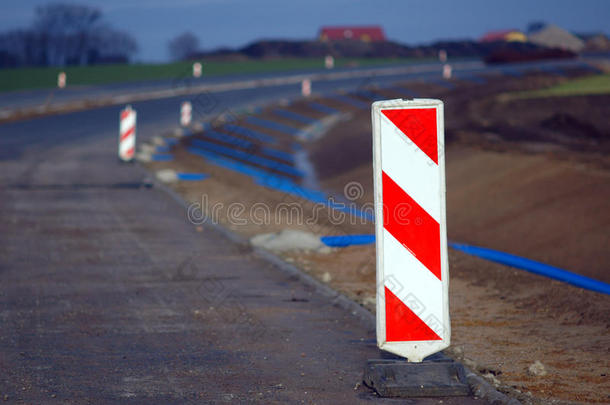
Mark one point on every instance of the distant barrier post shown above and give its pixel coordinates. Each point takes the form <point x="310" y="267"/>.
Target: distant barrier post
<point x="447" y="71"/>
<point x="127" y="134"/>
<point x="306" y="88"/>
<point x="197" y="68"/>
<point x="61" y="80"/>
<point x="186" y="113"/>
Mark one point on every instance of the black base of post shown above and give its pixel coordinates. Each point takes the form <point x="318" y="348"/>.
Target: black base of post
<point x="430" y="378"/>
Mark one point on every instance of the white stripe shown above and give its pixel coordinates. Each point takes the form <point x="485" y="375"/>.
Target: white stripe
<point x="413" y="283"/>
<point x="410" y="168"/>
<point x="128" y="122"/>
<point x="127" y="144"/>
<point x="185" y="118"/>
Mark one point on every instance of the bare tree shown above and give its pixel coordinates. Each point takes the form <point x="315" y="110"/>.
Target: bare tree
<point x="65" y="34"/>
<point x="183" y="46"/>
<point x="110" y="45"/>
<point x="67" y="31"/>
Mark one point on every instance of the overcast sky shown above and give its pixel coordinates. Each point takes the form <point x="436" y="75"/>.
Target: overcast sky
<point x="237" y="22"/>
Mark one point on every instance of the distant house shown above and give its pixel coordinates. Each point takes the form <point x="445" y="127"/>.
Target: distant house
<point x="504" y="36"/>
<point x="357" y="33"/>
<point x="594" y="42"/>
<point x="552" y="36"/>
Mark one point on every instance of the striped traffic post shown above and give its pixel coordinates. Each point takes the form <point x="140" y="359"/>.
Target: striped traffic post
<point x="61" y="80"/>
<point x="197" y="68"/>
<point x="127" y="134"/>
<point x="306" y="88"/>
<point x="447" y="71"/>
<point x="411" y="241"/>
<point x="186" y="113"/>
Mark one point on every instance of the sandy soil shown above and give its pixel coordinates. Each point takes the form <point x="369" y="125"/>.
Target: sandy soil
<point x="521" y="178"/>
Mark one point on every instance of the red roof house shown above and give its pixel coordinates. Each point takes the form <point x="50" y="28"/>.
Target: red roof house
<point x="359" y="33"/>
<point x="505" y="36"/>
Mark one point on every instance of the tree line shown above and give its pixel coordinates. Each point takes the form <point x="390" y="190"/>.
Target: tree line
<point x="65" y="34"/>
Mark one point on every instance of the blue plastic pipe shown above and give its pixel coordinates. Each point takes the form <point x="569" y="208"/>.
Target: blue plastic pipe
<point x="494" y="256"/>
<point x="162" y="157"/>
<point x="347" y="240"/>
<point x="534" y="267"/>
<point x="192" y="176"/>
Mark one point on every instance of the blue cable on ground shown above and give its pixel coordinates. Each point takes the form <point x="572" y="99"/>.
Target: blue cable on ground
<point x="347" y="240"/>
<point x="192" y="176"/>
<point x="534" y="267"/>
<point x="494" y="256"/>
<point x="160" y="157"/>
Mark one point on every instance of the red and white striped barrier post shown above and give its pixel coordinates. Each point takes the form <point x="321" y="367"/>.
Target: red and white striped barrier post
<point x="412" y="265"/>
<point x="306" y="88"/>
<point x="127" y="134"/>
<point x="197" y="69"/>
<point x="329" y="62"/>
<point x="186" y="113"/>
<point x="447" y="72"/>
<point x="61" y="80"/>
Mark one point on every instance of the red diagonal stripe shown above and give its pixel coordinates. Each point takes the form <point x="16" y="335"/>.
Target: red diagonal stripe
<point x="127" y="133"/>
<point x="125" y="113"/>
<point x="419" y="125"/>
<point x="129" y="152"/>
<point x="411" y="225"/>
<point x="402" y="324"/>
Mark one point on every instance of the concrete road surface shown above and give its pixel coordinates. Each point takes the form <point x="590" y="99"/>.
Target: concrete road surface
<point x="109" y="295"/>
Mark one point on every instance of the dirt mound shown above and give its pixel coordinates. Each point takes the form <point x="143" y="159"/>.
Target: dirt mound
<point x="335" y="155"/>
<point x="572" y="126"/>
<point x="576" y="123"/>
<point x="276" y="48"/>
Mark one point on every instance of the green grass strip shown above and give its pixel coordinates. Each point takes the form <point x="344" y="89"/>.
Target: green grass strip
<point x="36" y="78"/>
<point x="598" y="84"/>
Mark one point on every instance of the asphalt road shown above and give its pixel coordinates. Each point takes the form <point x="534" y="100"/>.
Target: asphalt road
<point x="109" y="295"/>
